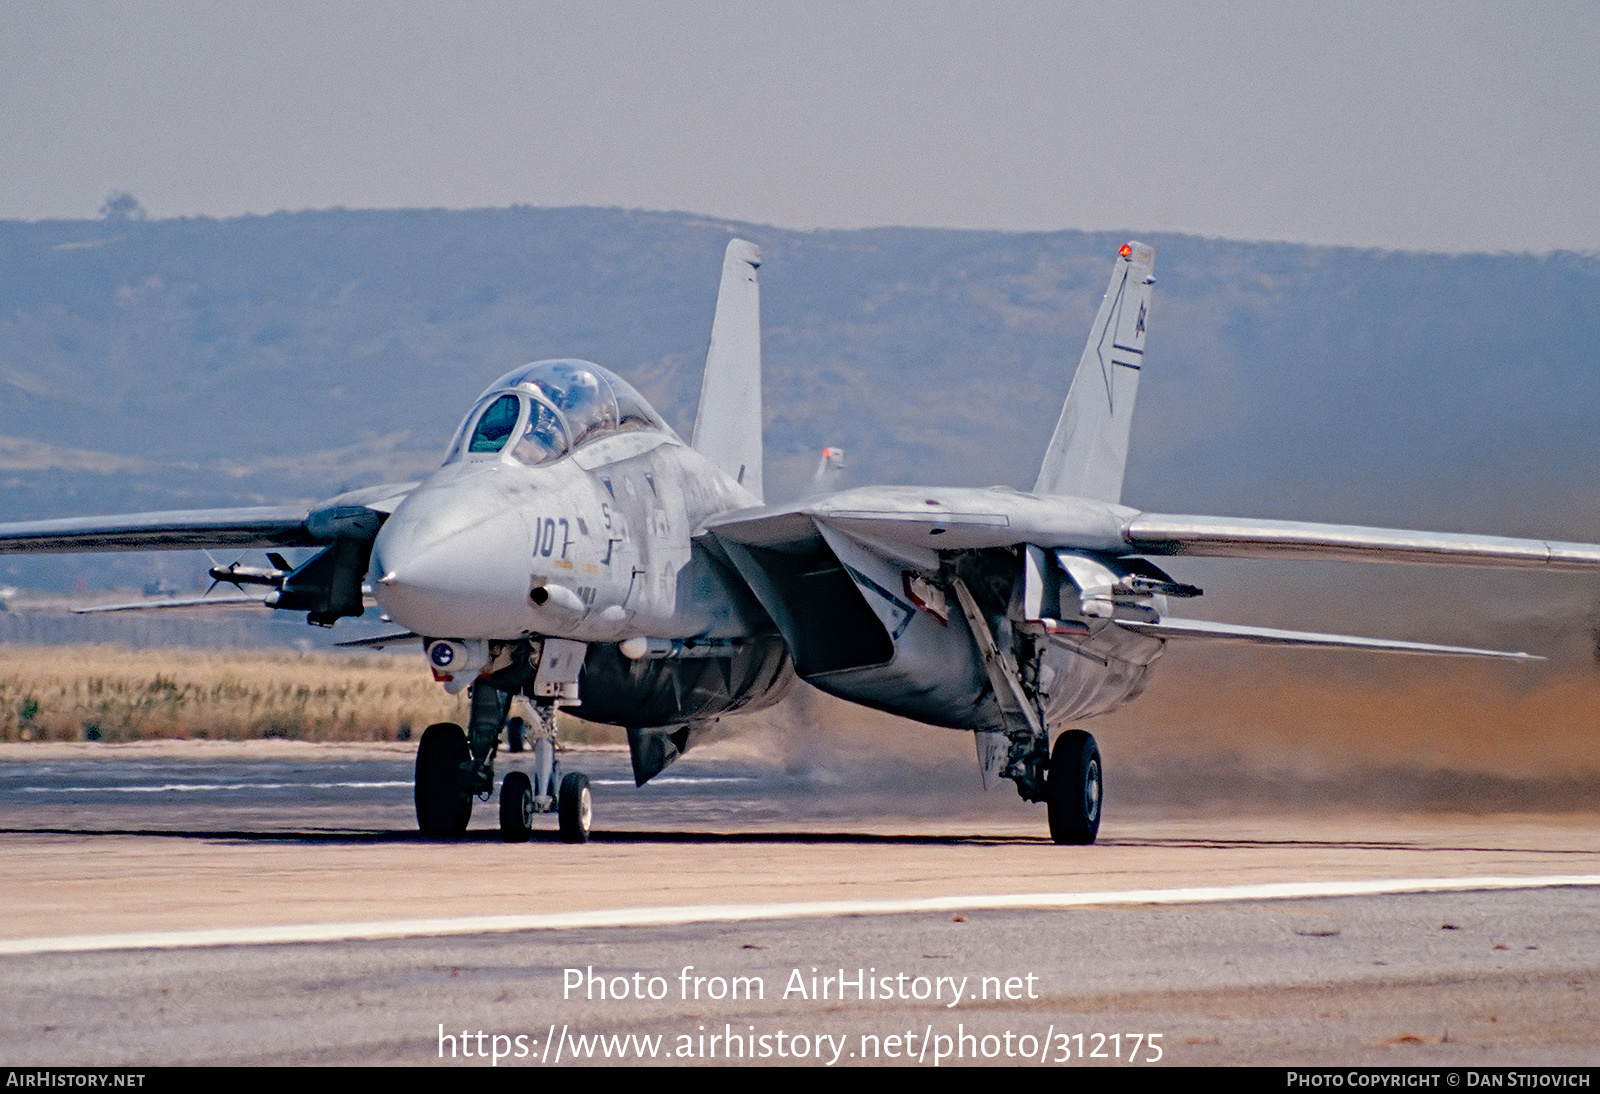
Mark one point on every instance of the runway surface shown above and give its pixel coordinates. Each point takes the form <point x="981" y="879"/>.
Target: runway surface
<point x="196" y="838"/>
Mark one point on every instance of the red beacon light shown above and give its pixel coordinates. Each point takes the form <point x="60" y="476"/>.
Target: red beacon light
<point x="1125" y="250"/>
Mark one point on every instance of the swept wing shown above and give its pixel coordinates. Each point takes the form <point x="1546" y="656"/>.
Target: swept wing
<point x="352" y="515"/>
<point x="916" y="528"/>
<point x="914" y="521"/>
<point x="328" y="586"/>
<point x="264" y="526"/>
<point x="1234" y="537"/>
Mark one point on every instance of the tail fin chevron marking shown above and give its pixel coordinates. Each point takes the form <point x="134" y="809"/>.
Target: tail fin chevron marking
<point x="727" y="426"/>
<point x="1089" y="451"/>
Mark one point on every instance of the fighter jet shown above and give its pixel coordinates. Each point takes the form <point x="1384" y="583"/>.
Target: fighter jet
<point x="574" y="552"/>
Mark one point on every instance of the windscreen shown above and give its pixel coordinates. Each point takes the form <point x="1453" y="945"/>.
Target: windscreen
<point x="496" y="425"/>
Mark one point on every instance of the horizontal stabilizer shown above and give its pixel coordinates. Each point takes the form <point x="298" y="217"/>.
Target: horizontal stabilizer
<point x="379" y="641"/>
<point x="1234" y="537"/>
<point x="1268" y="636"/>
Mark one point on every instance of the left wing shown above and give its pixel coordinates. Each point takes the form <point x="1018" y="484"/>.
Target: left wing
<point x="915" y="529"/>
<point x="916" y="521"/>
<point x="1236" y="537"/>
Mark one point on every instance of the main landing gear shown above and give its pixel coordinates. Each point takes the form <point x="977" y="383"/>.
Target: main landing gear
<point x="451" y="772"/>
<point x="1073" y="788"/>
<point x="443" y="809"/>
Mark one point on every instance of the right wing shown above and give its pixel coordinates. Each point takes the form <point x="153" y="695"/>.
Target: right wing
<point x="328" y="585"/>
<point x="356" y="514"/>
<point x="265" y="526"/>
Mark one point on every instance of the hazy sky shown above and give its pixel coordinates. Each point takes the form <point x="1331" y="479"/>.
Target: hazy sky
<point x="1450" y="126"/>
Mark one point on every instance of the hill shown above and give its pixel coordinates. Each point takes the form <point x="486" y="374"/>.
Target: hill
<point x="163" y="364"/>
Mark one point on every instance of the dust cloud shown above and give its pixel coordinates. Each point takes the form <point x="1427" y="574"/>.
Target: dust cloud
<point x="1227" y="727"/>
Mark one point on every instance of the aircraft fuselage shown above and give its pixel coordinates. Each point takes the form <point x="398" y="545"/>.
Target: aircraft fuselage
<point x="596" y="548"/>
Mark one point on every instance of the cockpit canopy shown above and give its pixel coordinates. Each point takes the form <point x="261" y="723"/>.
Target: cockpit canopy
<point x="542" y="411"/>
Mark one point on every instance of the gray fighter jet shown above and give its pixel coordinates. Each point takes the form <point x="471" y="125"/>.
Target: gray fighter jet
<point x="573" y="551"/>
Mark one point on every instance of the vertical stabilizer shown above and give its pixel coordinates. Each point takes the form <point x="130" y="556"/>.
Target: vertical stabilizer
<point x="1089" y="451"/>
<point x="727" y="427"/>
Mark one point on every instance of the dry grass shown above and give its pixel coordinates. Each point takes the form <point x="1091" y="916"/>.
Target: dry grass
<point x="69" y="693"/>
<point x="1309" y="713"/>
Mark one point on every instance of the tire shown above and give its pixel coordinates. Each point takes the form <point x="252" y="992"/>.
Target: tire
<point x="442" y="809"/>
<point x="516" y="808"/>
<point x="1074" y="789"/>
<point x="576" y="806"/>
<point x="515" y="732"/>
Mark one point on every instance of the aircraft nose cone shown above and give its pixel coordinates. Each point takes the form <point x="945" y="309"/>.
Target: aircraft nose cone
<point x="446" y="563"/>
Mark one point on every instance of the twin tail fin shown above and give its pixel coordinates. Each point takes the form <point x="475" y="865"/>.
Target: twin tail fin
<point x="1089" y="450"/>
<point x="727" y="427"/>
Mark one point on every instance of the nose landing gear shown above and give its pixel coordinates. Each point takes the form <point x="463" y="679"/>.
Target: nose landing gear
<point x="455" y="765"/>
<point x="577" y="808"/>
<point x="516" y="808"/>
<point x="448" y="778"/>
<point x="544" y="789"/>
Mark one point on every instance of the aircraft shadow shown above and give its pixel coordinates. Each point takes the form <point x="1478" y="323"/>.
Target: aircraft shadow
<point x="350" y="837"/>
<point x="489" y="835"/>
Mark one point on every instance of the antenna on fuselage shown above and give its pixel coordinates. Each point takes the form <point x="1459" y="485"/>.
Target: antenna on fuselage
<point x="727" y="426"/>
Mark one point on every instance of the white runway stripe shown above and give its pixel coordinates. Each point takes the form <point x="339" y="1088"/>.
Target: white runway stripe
<point x="681" y="780"/>
<point x="194" y="788"/>
<point x="726" y="913"/>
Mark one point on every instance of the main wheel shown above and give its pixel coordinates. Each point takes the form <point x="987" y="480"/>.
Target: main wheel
<point x="516" y="808"/>
<point x="1074" y="789"/>
<point x="442" y="809"/>
<point x="576" y="806"/>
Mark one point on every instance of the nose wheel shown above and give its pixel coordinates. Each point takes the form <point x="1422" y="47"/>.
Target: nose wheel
<point x="544" y="789"/>
<point x="516" y="808"/>
<point x="576" y="806"/>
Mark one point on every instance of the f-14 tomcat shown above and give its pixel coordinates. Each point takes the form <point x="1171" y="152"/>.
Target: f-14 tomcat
<point x="575" y="552"/>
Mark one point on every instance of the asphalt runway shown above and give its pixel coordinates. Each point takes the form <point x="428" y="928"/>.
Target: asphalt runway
<point x="1239" y="965"/>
